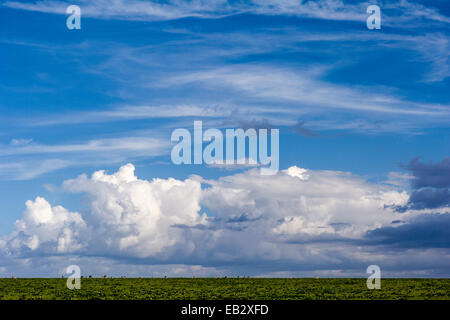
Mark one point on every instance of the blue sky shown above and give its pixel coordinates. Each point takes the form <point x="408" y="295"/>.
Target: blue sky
<point x="345" y="98"/>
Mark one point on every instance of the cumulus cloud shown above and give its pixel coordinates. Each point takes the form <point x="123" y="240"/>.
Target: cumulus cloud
<point x="302" y="205"/>
<point x="133" y="217"/>
<point x="298" y="219"/>
<point x="51" y="230"/>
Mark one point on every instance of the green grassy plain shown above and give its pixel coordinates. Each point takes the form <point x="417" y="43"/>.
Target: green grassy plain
<point x="224" y="288"/>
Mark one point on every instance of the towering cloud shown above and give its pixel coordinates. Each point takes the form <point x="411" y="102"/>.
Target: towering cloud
<point x="272" y="223"/>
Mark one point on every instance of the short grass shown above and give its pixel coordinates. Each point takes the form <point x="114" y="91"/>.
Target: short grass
<point x="224" y="288"/>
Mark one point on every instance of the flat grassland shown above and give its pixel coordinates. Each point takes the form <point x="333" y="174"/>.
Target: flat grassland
<point x="223" y="288"/>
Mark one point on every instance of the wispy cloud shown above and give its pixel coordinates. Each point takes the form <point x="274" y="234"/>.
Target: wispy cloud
<point x="132" y="113"/>
<point x="26" y="170"/>
<point x="304" y="87"/>
<point x="24" y="159"/>
<point x="244" y="95"/>
<point x="137" y="145"/>
<point x="400" y="11"/>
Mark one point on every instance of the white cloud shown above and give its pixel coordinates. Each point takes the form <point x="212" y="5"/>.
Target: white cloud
<point x="135" y="217"/>
<point x="295" y="171"/>
<point x="297" y="217"/>
<point x="53" y="230"/>
<point x="311" y="202"/>
<point x="399" y="179"/>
